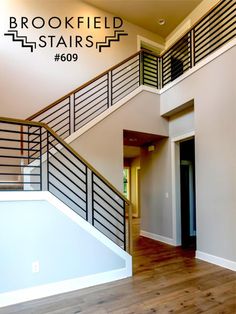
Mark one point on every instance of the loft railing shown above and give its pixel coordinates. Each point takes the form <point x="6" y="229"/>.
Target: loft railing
<point x="209" y="34"/>
<point x="57" y="168"/>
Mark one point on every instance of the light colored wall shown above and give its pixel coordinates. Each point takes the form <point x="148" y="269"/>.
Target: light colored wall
<point x="156" y="189"/>
<point x="156" y="210"/>
<point x="54" y="241"/>
<point x="102" y="146"/>
<point x="213" y="90"/>
<point x="181" y="123"/>
<point x="30" y="81"/>
<point x="134" y="166"/>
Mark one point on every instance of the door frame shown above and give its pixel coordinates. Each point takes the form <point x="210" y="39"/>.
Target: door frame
<point x="175" y="183"/>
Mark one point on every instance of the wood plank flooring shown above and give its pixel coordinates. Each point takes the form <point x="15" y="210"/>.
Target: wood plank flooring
<point x="166" y="280"/>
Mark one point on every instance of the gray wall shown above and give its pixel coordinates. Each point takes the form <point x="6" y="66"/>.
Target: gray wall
<point x="155" y="181"/>
<point x="156" y="189"/>
<point x="181" y="123"/>
<point x="102" y="145"/>
<point x="36" y="231"/>
<point x="213" y="90"/>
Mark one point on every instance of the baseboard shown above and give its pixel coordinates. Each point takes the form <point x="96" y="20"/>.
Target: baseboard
<point x="219" y="261"/>
<point x="157" y="237"/>
<point x="29" y="294"/>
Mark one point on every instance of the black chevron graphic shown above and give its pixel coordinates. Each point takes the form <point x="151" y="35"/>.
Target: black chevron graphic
<point x="109" y="39"/>
<point x="22" y="39"/>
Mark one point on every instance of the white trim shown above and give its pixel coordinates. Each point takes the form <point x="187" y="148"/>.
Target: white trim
<point x="182" y="137"/>
<point x="68" y="285"/>
<point x="29" y="294"/>
<point x="149" y="42"/>
<point x="175" y="173"/>
<point x="216" y="260"/>
<point x="150" y="89"/>
<point x="157" y="237"/>
<point x="201" y="64"/>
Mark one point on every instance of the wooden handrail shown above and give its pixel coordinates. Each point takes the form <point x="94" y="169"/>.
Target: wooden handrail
<point x="67" y="146"/>
<point x="81" y="87"/>
<point x="32" y="117"/>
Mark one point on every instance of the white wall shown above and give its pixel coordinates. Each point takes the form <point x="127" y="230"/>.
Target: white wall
<point x="30" y="81"/>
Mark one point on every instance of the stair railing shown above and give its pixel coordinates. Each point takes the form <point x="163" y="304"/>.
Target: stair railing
<point x="80" y="106"/>
<point x="50" y="164"/>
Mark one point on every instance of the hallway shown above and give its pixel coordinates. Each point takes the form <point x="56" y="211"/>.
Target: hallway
<point x="166" y="280"/>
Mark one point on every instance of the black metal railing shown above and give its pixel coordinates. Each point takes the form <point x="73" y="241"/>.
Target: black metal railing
<point x="150" y="69"/>
<point x="90" y="101"/>
<point x="67" y="176"/>
<point x="87" y="102"/>
<point x="108" y="211"/>
<point x="20" y="156"/>
<point x="125" y="78"/>
<point x="214" y="30"/>
<point x="26" y="164"/>
<point x="82" y="105"/>
<point x="57" y="116"/>
<point x="176" y="60"/>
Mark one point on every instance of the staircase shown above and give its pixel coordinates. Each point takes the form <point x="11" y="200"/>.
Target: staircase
<point x="39" y="142"/>
<point x="35" y="157"/>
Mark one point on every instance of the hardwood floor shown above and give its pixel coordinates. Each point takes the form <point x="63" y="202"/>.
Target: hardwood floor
<point x="166" y="280"/>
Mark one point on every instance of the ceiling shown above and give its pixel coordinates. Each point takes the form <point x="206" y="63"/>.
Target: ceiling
<point x="146" y="13"/>
<point x="134" y="140"/>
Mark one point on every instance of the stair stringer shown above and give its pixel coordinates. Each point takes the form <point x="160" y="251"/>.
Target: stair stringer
<point x="110" y="110"/>
<point x="53" y="288"/>
<point x="101" y="143"/>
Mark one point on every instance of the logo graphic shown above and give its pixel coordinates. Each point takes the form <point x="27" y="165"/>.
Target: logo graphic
<point x="85" y="31"/>
<point x="23" y="39"/>
<point x="109" y="39"/>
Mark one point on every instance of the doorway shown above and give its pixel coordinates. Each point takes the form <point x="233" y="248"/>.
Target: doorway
<point x="187" y="193"/>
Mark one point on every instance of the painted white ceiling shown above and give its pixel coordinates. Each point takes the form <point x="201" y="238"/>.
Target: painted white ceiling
<point x="146" y="13"/>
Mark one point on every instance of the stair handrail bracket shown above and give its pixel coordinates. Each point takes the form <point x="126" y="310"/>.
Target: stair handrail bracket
<point x="50" y="164"/>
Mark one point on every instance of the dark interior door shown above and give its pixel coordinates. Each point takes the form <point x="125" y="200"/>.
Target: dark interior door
<point x="185" y="208"/>
<point x="187" y="193"/>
